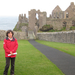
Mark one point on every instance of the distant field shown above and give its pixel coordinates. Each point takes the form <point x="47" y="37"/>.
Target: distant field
<point x="29" y="61"/>
<point x="67" y="48"/>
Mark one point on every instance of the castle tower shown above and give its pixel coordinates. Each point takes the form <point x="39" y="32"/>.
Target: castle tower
<point x="19" y="17"/>
<point x="24" y="16"/>
<point x="32" y="19"/>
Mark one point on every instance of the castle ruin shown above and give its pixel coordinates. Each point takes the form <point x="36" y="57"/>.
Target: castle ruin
<point x="58" y="19"/>
<point x="33" y="21"/>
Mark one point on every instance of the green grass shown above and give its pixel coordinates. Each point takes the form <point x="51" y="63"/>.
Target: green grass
<point x="64" y="47"/>
<point x="29" y="61"/>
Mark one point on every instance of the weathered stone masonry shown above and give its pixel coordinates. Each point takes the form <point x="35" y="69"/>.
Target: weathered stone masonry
<point x="17" y="35"/>
<point x="63" y="37"/>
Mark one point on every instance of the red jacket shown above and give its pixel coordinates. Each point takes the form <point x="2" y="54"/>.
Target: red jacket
<point x="10" y="46"/>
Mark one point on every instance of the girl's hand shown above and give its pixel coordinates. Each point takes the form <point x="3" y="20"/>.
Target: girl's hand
<point x="11" y="53"/>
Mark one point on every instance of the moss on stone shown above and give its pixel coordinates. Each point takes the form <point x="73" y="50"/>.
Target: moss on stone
<point x="46" y="28"/>
<point x="20" y="26"/>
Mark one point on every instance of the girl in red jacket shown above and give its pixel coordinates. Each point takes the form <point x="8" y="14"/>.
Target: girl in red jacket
<point x="10" y="46"/>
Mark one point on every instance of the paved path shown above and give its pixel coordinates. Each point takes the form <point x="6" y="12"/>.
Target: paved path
<point x="65" y="62"/>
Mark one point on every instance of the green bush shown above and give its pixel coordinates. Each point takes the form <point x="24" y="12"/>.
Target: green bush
<point x="63" y="29"/>
<point x="46" y="28"/>
<point x="72" y="28"/>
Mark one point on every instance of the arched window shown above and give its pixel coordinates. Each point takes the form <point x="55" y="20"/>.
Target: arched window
<point x="37" y="16"/>
<point x="67" y="15"/>
<point x="57" y="17"/>
<point x="37" y="20"/>
<point x="64" y="24"/>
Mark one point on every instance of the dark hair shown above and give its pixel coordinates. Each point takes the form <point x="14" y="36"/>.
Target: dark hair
<point x="9" y="32"/>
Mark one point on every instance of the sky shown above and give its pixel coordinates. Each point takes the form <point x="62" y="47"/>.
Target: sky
<point x="16" y="7"/>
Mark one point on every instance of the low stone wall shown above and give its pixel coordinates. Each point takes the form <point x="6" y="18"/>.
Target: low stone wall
<point x="17" y="35"/>
<point x="64" y="37"/>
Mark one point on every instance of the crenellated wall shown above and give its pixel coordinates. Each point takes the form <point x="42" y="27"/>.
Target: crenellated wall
<point x="63" y="37"/>
<point x="17" y="35"/>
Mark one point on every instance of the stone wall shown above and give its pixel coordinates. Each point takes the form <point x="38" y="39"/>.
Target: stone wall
<point x="63" y="37"/>
<point x="58" y="24"/>
<point x="33" y="21"/>
<point x="17" y="35"/>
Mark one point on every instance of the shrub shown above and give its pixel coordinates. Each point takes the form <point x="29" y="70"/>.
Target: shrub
<point x="63" y="29"/>
<point x="46" y="28"/>
<point x="72" y="28"/>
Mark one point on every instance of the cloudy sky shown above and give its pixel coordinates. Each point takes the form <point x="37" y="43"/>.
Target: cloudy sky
<point x="16" y="7"/>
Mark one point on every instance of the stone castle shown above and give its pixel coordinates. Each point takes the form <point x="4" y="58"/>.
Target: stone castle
<point x="58" y="19"/>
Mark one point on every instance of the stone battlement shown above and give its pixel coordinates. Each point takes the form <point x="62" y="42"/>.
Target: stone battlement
<point x="22" y="18"/>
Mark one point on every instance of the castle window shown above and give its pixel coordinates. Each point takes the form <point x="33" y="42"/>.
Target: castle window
<point x="66" y="12"/>
<point x="57" y="17"/>
<point x="64" y="24"/>
<point x="67" y="15"/>
<point x="73" y="23"/>
<point x="37" y="16"/>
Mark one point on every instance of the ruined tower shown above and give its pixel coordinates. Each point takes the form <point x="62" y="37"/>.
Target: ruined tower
<point x="33" y="21"/>
<point x="23" y="19"/>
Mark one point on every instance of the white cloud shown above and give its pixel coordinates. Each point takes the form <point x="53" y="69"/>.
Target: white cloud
<point x="16" y="7"/>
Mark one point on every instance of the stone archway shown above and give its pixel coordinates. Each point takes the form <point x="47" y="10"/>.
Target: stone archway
<point x="33" y="22"/>
<point x="31" y="34"/>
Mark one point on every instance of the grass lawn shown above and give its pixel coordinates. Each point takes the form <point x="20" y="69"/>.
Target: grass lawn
<point x="67" y="48"/>
<point x="29" y="61"/>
